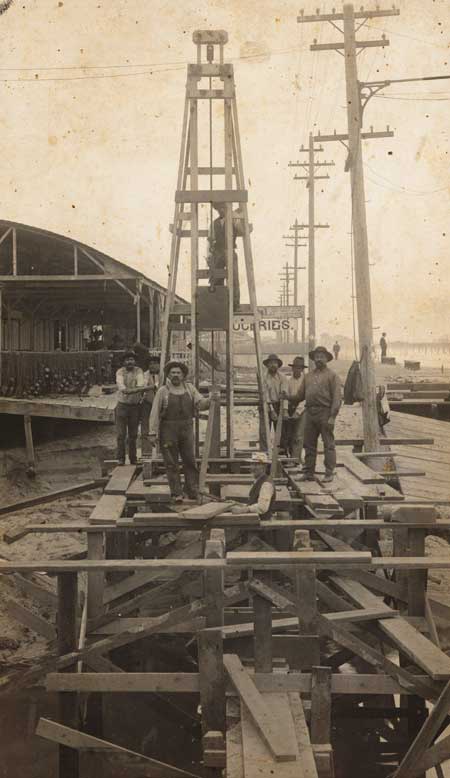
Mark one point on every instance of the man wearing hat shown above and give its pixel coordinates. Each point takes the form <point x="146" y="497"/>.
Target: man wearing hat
<point x="171" y="417"/>
<point x="261" y="498"/>
<point x="295" y="423"/>
<point x="275" y="388"/>
<point x="130" y="385"/>
<point x="321" y="391"/>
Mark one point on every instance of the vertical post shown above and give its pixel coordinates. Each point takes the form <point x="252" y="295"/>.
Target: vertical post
<point x="311" y="248"/>
<point x="249" y="267"/>
<point x="214" y="579"/>
<point x="1" y="336"/>
<point x="150" y="317"/>
<point x="96" y="550"/>
<point x="262" y="641"/>
<point x="138" y="312"/>
<point x="296" y="227"/>
<point x="193" y="153"/>
<point x="212" y="679"/>
<point x="231" y="281"/>
<point x="303" y="336"/>
<point x="31" y="460"/>
<point x="320" y="705"/>
<point x="14" y="251"/>
<point x="67" y="642"/>
<point x="362" y="273"/>
<point x="75" y="260"/>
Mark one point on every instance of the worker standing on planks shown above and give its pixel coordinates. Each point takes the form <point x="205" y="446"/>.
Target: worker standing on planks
<point x="295" y="423"/>
<point x="322" y="392"/>
<point x="275" y="390"/>
<point x="147" y="366"/>
<point x="217" y="259"/>
<point x="171" y="421"/>
<point x="130" y="384"/>
<point x="383" y="346"/>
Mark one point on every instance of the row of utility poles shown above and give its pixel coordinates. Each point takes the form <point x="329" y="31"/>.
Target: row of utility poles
<point x="358" y="93"/>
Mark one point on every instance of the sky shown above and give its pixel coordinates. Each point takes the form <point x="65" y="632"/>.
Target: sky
<point x="91" y="113"/>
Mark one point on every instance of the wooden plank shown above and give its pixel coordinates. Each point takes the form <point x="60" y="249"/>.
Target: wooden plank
<point x="116" y="626"/>
<point x="280" y="558"/>
<point x="206" y="511"/>
<point x="66" y="622"/>
<point x="51" y="496"/>
<point x="306" y="754"/>
<point x="436" y="755"/>
<point x="79" y="741"/>
<point x="33" y="589"/>
<point x="188" y="683"/>
<point x="418" y="648"/>
<point x="121" y="479"/>
<point x="30" y="620"/>
<point x="321" y="705"/>
<point x="418" y="747"/>
<point x="363" y="614"/>
<point x="208" y="437"/>
<point x="176" y="521"/>
<point x="271" y="730"/>
<point x="109" y="508"/>
<point x="262" y="641"/>
<point x="211" y="679"/>
<point x="259" y="761"/>
<point x="357" y="468"/>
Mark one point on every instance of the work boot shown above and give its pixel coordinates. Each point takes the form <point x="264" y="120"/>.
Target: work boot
<point x="328" y="477"/>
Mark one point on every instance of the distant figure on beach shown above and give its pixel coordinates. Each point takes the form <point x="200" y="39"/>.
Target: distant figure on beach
<point x="336" y="349"/>
<point x="383" y="346"/>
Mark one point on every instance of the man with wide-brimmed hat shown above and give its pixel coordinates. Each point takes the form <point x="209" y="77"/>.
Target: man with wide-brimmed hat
<point x="295" y="421"/>
<point x="261" y="497"/>
<point x="131" y="387"/>
<point x="171" y="421"/>
<point x="275" y="389"/>
<point x="322" y="392"/>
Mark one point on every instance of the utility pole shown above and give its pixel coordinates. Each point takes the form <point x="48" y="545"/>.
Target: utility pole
<point x="287" y="276"/>
<point x="310" y="178"/>
<point x="296" y="227"/>
<point x="350" y="48"/>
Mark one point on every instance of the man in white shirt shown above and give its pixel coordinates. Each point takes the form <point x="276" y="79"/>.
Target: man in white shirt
<point x="130" y="385"/>
<point x="295" y="423"/>
<point x="275" y="389"/>
<point x="261" y="498"/>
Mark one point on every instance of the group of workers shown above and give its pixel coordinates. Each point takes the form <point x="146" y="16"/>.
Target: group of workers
<point x="308" y="402"/>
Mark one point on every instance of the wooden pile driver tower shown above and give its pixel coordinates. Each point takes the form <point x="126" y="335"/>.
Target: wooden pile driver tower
<point x="213" y="304"/>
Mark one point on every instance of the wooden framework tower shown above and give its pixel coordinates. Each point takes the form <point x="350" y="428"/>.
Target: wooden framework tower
<point x="210" y="84"/>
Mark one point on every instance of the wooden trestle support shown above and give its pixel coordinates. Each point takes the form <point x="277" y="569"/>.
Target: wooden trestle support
<point x="271" y="625"/>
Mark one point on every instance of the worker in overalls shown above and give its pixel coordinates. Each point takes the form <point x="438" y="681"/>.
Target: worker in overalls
<point x="171" y="422"/>
<point x="261" y="497"/>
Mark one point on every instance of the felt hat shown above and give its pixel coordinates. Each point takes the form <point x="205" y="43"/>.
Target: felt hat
<point x="323" y="350"/>
<point x="273" y="358"/>
<point x="260" y="457"/>
<point x="297" y="362"/>
<point x="175" y="363"/>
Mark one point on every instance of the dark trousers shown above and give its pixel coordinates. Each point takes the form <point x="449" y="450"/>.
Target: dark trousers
<point x="295" y="427"/>
<point x="177" y="439"/>
<point x="127" y="421"/>
<point x="145" y="409"/>
<point x="316" y="424"/>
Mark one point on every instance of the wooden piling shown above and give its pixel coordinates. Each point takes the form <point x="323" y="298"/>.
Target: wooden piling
<point x="67" y="642"/>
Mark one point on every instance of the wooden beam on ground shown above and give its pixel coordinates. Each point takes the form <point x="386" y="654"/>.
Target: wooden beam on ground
<point x="271" y="730"/>
<point x="121" y="682"/>
<point x="30" y="620"/>
<point x="31" y="502"/>
<point x="75" y="741"/>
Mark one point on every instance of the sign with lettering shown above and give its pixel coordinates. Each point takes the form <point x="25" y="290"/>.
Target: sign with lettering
<point x="274" y="318"/>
